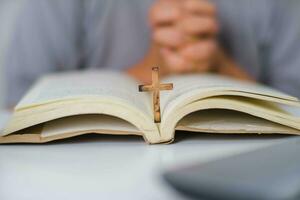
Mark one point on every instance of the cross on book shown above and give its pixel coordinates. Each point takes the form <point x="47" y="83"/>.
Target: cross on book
<point x="155" y="88"/>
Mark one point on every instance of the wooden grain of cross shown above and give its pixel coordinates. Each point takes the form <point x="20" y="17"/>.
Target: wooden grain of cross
<point x="155" y="88"/>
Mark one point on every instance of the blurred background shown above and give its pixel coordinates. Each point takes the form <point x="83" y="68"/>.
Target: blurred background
<point x="8" y="11"/>
<point x="249" y="39"/>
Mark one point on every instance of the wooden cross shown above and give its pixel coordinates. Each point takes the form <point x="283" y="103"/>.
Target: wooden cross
<point x="155" y="87"/>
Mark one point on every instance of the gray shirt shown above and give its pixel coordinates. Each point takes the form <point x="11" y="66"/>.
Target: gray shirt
<point x="263" y="36"/>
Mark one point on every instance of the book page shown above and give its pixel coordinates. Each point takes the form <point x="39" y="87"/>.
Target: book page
<point x="88" y="124"/>
<point x="291" y="110"/>
<point x="207" y="85"/>
<point x="86" y="84"/>
<point x="86" y="92"/>
<point x="186" y="83"/>
<point x="206" y="91"/>
<point x="4" y="118"/>
<point x="229" y="121"/>
<point x="251" y="106"/>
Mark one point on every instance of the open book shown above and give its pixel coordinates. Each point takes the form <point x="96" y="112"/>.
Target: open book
<point x="70" y="104"/>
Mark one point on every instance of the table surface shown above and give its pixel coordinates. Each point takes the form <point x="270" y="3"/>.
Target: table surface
<point x="109" y="167"/>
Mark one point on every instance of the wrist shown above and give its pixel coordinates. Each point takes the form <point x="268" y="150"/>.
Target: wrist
<point x="142" y="70"/>
<point x="225" y="65"/>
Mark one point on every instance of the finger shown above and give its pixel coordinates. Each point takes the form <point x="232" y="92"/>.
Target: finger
<point x="175" y="63"/>
<point x="164" y="12"/>
<point x="168" y="37"/>
<point x="199" y="25"/>
<point x="200" y="51"/>
<point x="178" y="65"/>
<point x="202" y="7"/>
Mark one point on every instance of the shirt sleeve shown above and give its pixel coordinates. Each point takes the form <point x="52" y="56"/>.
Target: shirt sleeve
<point x="283" y="52"/>
<point x="44" y="38"/>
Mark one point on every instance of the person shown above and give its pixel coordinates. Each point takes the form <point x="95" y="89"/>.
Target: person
<point x="256" y="40"/>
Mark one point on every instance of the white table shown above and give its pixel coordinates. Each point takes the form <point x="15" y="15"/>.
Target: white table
<point x="109" y="167"/>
